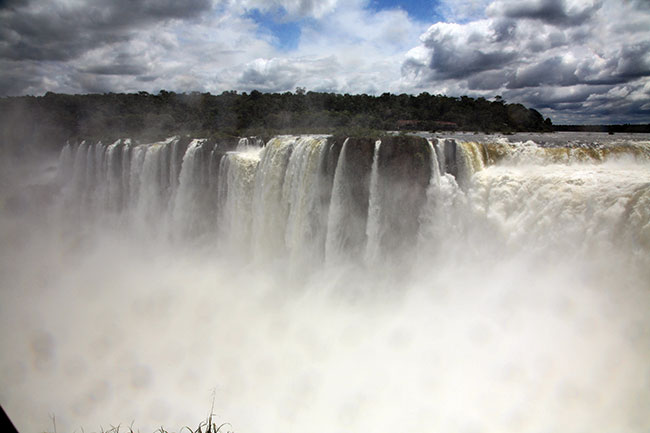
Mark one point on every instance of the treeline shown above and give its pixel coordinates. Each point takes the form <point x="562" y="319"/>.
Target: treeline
<point x="54" y="118"/>
<point x="625" y="128"/>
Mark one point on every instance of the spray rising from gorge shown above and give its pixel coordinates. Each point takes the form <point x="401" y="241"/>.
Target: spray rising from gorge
<point x="315" y="283"/>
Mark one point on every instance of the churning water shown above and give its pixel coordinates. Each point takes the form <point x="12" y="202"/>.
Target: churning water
<point x="419" y="284"/>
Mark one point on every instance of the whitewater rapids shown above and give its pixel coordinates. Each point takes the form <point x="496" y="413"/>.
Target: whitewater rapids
<point x="309" y="286"/>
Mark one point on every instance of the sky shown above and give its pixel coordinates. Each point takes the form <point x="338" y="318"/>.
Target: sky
<point x="576" y="61"/>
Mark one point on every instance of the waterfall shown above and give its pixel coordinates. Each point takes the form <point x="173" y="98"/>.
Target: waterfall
<point x="297" y="199"/>
<point x="90" y="177"/>
<point x="97" y="171"/>
<point x="150" y="189"/>
<point x="439" y="148"/>
<point x="427" y="216"/>
<point x="436" y="166"/>
<point x="66" y="165"/>
<point x="573" y="208"/>
<point x="249" y="144"/>
<point x="300" y="194"/>
<point x="114" y="176"/>
<point x="444" y="209"/>
<point x="125" y="172"/>
<point x="175" y="162"/>
<point x="189" y="199"/>
<point x="336" y="234"/>
<point x="76" y="194"/>
<point x="237" y="174"/>
<point x="269" y="209"/>
<point x="469" y="159"/>
<point x="325" y="282"/>
<point x="135" y="169"/>
<point x="373" y="228"/>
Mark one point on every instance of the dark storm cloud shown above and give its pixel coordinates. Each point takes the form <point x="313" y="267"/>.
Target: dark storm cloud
<point x="550" y="71"/>
<point x="455" y="55"/>
<point x="633" y="109"/>
<point x="16" y="77"/>
<point x="116" y="69"/>
<point x="554" y="12"/>
<point x="8" y="4"/>
<point x="552" y="96"/>
<point x="489" y="80"/>
<point x="28" y="37"/>
<point x="55" y="31"/>
<point x="146" y="78"/>
<point x="586" y="103"/>
<point x="60" y="36"/>
<point x="634" y="61"/>
<point x="504" y="29"/>
<point x="93" y="83"/>
<point x="122" y="64"/>
<point x="455" y="62"/>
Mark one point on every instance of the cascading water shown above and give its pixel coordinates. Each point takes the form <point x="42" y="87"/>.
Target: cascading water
<point x="373" y="228"/>
<point x="335" y="240"/>
<point x="304" y="235"/>
<point x="269" y="211"/>
<point x="236" y="188"/>
<point x="189" y="201"/>
<point x="315" y="283"/>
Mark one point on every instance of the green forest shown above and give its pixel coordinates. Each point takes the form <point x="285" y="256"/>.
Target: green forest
<point x="54" y="118"/>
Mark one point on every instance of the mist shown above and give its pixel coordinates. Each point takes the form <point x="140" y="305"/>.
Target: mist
<point x="315" y="284"/>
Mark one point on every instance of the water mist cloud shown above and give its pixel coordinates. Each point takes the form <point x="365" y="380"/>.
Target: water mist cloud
<point x="490" y="293"/>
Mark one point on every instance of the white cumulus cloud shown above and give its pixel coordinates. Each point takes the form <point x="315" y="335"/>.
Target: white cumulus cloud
<point x="557" y="55"/>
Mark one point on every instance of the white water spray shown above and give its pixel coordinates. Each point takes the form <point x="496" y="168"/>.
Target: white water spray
<point x="166" y="270"/>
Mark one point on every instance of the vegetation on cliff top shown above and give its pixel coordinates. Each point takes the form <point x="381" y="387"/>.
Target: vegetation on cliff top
<point x="54" y="118"/>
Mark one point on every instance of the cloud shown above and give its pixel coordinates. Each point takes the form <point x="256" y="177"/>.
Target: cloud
<point x="463" y="10"/>
<point x="293" y="8"/>
<point x="81" y="47"/>
<point x="353" y="50"/>
<point x="269" y="75"/>
<point x="121" y="64"/>
<point x="555" y="12"/>
<point x="549" y="54"/>
<point x="18" y="75"/>
<point x="458" y="51"/>
<point x="64" y="30"/>
<point x="555" y="70"/>
<point x="528" y="51"/>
